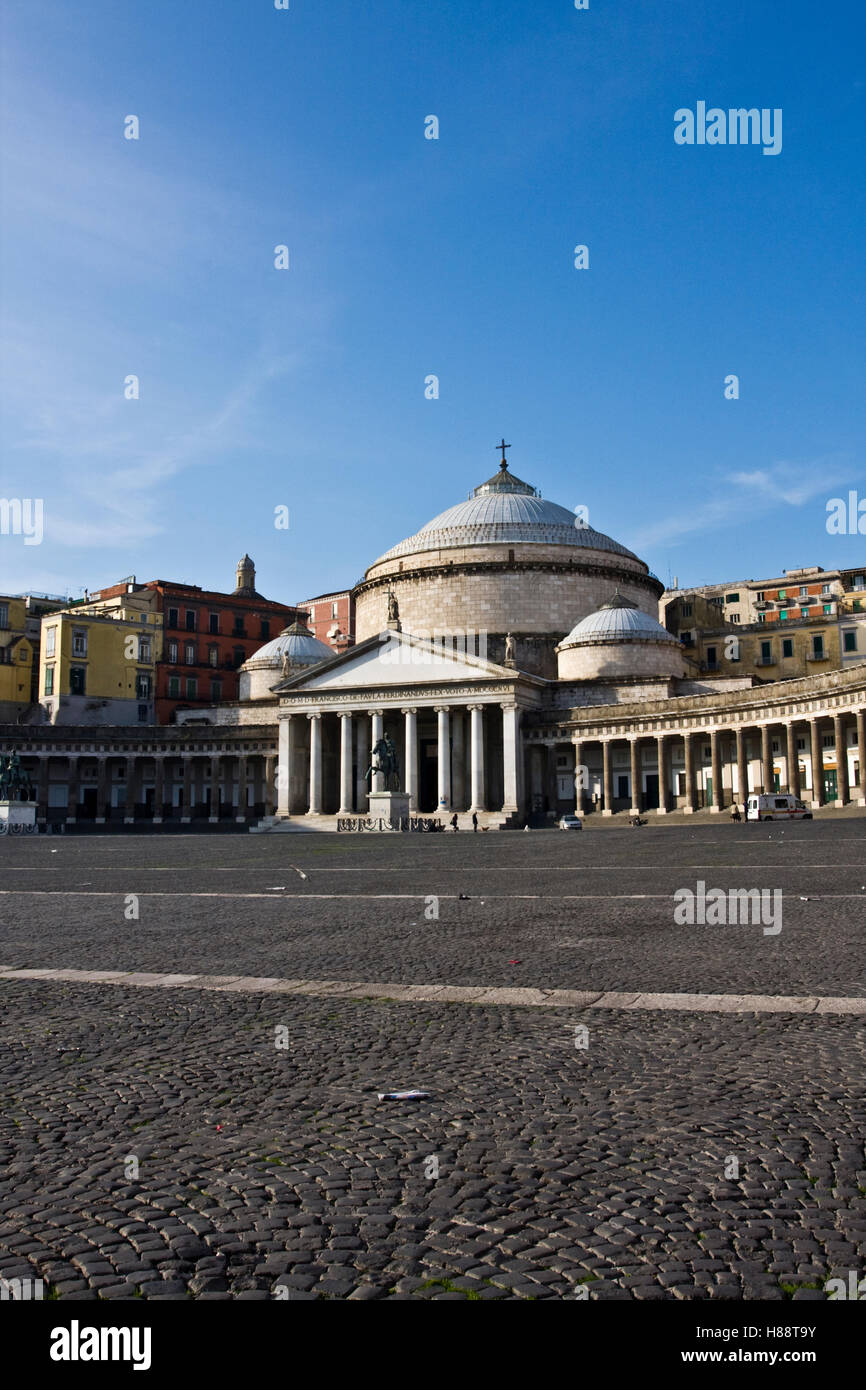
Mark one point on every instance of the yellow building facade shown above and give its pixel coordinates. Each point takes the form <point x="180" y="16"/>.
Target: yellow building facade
<point x="98" y="666"/>
<point x="17" y="654"/>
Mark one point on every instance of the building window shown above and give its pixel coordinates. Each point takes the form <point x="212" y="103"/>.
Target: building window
<point x="213" y="655"/>
<point x="850" y="640"/>
<point x="189" y="653"/>
<point x="818" y="647"/>
<point x="216" y="690"/>
<point x="828" y="608"/>
<point x="775" y="745"/>
<point x="239" y="657"/>
<point x="142" y="714"/>
<point x="77" y="680"/>
<point x="783" y="593"/>
<point x="144" y="649"/>
<point x="333" y="610"/>
<point x="142" y="685"/>
<point x="172" y="652"/>
<point x="733" y="617"/>
<point x="732" y="598"/>
<point x="79" y="643"/>
<point x="213" y="622"/>
<point x="172" y="617"/>
<point x="825" y="588"/>
<point x="762" y="617"/>
<point x="783" y="615"/>
<point x="266" y="627"/>
<point x="828" y="740"/>
<point x="173" y="687"/>
<point x="50" y="639"/>
<point x="4" y="615"/>
<point x="712" y="658"/>
<point x="803" y="591"/>
<point x="766" y="652"/>
<point x="687" y="610"/>
<point x="759" y="596"/>
<point x="787" y="646"/>
<point x="239" y="625"/>
<point x="49" y="680"/>
<point x="192" y="687"/>
<point x="801" y="745"/>
<point x="190" y="620"/>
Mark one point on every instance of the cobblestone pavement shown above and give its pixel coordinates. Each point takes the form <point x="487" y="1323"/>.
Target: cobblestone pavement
<point x="160" y="1143"/>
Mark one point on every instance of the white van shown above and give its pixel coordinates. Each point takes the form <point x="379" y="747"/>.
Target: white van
<point x="777" y="806"/>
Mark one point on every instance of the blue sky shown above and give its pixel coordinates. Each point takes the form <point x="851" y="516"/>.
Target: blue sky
<point x="410" y="257"/>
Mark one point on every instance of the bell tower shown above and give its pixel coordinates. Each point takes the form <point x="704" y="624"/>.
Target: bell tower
<point x="246" y="576"/>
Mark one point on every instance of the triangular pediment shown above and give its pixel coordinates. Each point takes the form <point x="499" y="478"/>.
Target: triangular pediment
<point x="394" y="658"/>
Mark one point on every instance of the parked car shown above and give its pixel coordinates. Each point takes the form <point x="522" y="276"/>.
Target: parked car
<point x="778" y="806"/>
<point x="570" y="823"/>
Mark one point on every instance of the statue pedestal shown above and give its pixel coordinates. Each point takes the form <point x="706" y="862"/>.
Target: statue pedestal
<point x="18" y="818"/>
<point x="390" y="807"/>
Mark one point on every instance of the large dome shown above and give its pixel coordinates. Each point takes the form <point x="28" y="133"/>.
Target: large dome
<point x="507" y="570"/>
<point x="503" y="510"/>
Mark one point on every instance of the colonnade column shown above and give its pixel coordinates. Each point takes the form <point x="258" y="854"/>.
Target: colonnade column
<point x="363" y="763"/>
<point x="129" y="803"/>
<point x="410" y="716"/>
<point x="214" y="788"/>
<point x="377" y="719"/>
<point x="841" y="760"/>
<point x="691" y="791"/>
<point x="766" y="760"/>
<point x="607" y="776"/>
<point x="42" y="789"/>
<point x="661" y="756"/>
<point x="793" y="765"/>
<point x="510" y="757"/>
<point x="634" y="768"/>
<point x="73" y="786"/>
<point x="186" y="800"/>
<point x="315" y="764"/>
<point x="241" y="812"/>
<point x="444" y="758"/>
<point x="861" y="754"/>
<point x="158" y="789"/>
<point x="285" y="752"/>
<point x="345" y="763"/>
<point x="578" y="778"/>
<point x="716" y="770"/>
<point x="103" y="789"/>
<point x="269" y="789"/>
<point x="476" y="713"/>
<point x="742" y="766"/>
<point x="817" y="764"/>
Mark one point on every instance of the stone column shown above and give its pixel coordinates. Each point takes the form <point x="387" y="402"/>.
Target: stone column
<point x="661" y="756"/>
<point x="861" y="754"/>
<point x="635" y="778"/>
<point x="766" y="760"/>
<point x="42" y="788"/>
<point x="215" y="765"/>
<point x="841" y="760"/>
<point x="607" y="776"/>
<point x="578" y="788"/>
<point x="345" y="763"/>
<point x="410" y="755"/>
<point x="186" y="800"/>
<point x="129" y="803"/>
<point x="510" y="757"/>
<point x="444" y="759"/>
<point x="72" y="787"/>
<point x="459" y="799"/>
<point x="158" y="788"/>
<point x="270" y="792"/>
<point x="285" y="754"/>
<point x="793" y="762"/>
<point x="103" y="790"/>
<point x="363" y="764"/>
<point x="315" y="764"/>
<point x="691" y="790"/>
<point x="377" y="719"/>
<point x="742" y="766"/>
<point x="241" y="813"/>
<point x="476" y="753"/>
<point x="716" y="765"/>
<point x="817" y="764"/>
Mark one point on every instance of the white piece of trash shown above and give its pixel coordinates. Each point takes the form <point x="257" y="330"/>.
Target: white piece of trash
<point x="403" y="1095"/>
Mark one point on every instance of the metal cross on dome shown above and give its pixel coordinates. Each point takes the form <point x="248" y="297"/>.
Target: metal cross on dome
<point x="503" y="446"/>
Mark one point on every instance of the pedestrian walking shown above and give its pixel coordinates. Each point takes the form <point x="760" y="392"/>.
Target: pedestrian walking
<point x="474" y="821"/>
<point x="454" y="822"/>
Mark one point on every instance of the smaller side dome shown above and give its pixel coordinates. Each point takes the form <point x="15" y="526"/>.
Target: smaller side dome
<point x="294" y="649"/>
<point x="619" y="640"/>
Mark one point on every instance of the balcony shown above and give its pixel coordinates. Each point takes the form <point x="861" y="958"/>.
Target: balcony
<point x="818" y="656"/>
<point x="766" y="661"/>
